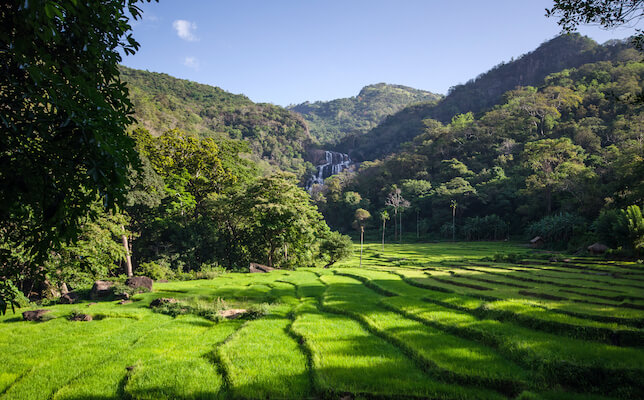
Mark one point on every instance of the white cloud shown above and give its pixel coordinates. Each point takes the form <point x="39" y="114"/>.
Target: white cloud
<point x="185" y="29"/>
<point x="191" y="62"/>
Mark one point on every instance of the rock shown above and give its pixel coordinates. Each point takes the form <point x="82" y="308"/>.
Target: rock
<point x="233" y="313"/>
<point x="259" y="268"/>
<point x="69" y="298"/>
<point x="597" y="248"/>
<point x="536" y="242"/>
<point x="124" y="302"/>
<point x="81" y="317"/>
<point x="162" y="300"/>
<point x="101" y="289"/>
<point x="122" y="296"/>
<point x="91" y="304"/>
<point x="139" y="281"/>
<point x="34" y="315"/>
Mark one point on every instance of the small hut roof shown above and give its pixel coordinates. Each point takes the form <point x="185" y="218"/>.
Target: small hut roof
<point x="536" y="239"/>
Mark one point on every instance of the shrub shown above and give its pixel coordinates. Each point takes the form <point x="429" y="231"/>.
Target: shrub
<point x="490" y="227"/>
<point x="11" y="296"/>
<point x="559" y="228"/>
<point x="156" y="270"/>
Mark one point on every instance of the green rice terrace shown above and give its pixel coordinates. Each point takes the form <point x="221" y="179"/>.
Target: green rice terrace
<point x="439" y="321"/>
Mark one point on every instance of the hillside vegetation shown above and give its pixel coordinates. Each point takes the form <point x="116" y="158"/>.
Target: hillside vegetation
<point x="275" y="135"/>
<point x="484" y="91"/>
<point x="465" y="327"/>
<point x="330" y="121"/>
<point x="559" y="160"/>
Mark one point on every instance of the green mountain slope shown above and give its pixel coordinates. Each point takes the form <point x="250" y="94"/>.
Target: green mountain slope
<point x="480" y="94"/>
<point x="277" y="138"/>
<point x="330" y="121"/>
<point x="569" y="149"/>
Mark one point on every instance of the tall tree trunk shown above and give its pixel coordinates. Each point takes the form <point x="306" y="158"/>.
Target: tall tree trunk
<point x="384" y="226"/>
<point x="395" y="224"/>
<point x="361" y="240"/>
<point x="128" y="258"/>
<point x="400" y="226"/>
<point x="417" y="225"/>
<point x="454" y="224"/>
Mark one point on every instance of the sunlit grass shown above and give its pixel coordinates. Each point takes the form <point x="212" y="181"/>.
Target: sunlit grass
<point x="418" y="320"/>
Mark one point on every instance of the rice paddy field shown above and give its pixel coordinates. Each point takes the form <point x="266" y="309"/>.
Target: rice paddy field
<point x="437" y="321"/>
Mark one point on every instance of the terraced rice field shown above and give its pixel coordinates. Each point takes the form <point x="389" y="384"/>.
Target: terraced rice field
<point x="418" y="321"/>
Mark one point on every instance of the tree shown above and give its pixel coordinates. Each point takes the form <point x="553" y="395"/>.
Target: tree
<point x="398" y="203"/>
<point x="334" y="246"/>
<point x="281" y="216"/>
<point x="419" y="191"/>
<point x="384" y="217"/>
<point x="606" y="13"/>
<point x="453" y="204"/>
<point x="554" y="162"/>
<point x="361" y="217"/>
<point x="63" y="112"/>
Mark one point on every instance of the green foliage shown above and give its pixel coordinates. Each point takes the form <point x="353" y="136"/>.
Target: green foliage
<point x="484" y="92"/>
<point x="335" y="247"/>
<point x="64" y="115"/>
<point x="632" y="220"/>
<point x="609" y="14"/>
<point x="332" y="120"/>
<point x="557" y="229"/>
<point x="490" y="227"/>
<point x="10" y="296"/>
<point x="155" y="271"/>
<point x="571" y="144"/>
<point x="276" y="138"/>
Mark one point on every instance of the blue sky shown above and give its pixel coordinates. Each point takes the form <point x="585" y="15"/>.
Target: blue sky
<point x="288" y="51"/>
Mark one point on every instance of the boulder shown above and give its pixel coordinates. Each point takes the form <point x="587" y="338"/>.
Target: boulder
<point x="69" y="298"/>
<point x="139" y="281"/>
<point x="259" y="268"/>
<point x="233" y="313"/>
<point x="536" y="242"/>
<point x="101" y="289"/>
<point x="34" y="315"/>
<point x="597" y="248"/>
<point x="122" y="296"/>
<point x="81" y="317"/>
<point x="124" y="302"/>
<point x="161" y="301"/>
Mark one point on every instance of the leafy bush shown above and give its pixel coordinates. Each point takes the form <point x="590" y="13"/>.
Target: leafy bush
<point x="10" y="296"/>
<point x="557" y="229"/>
<point x="156" y="270"/>
<point x="622" y="230"/>
<point x="490" y="227"/>
<point x="121" y="287"/>
<point x="209" y="271"/>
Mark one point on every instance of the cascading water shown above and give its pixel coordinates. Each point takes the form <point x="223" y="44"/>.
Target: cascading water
<point x="334" y="164"/>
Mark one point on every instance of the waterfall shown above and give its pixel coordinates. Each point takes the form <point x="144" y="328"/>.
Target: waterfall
<point x="334" y="163"/>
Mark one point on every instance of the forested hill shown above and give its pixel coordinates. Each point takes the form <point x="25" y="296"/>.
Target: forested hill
<point x="483" y="92"/>
<point x="557" y="161"/>
<point x="330" y="121"/>
<point x="277" y="137"/>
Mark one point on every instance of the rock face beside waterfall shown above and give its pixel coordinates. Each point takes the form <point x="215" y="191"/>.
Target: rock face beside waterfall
<point x="333" y="163"/>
